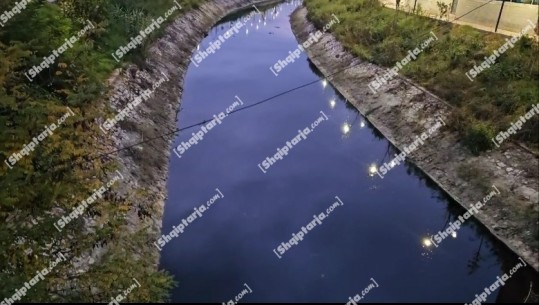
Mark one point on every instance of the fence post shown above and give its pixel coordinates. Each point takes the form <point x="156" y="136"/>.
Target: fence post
<point x="454" y="4"/>
<point x="499" y="16"/>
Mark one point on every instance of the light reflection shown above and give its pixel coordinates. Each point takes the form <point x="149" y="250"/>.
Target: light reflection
<point x="345" y="128"/>
<point x="373" y="170"/>
<point x="428" y="250"/>
<point x="332" y="103"/>
<point x="362" y="124"/>
<point x="454" y="234"/>
<point x="324" y="83"/>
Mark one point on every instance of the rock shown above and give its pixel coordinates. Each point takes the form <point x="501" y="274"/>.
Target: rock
<point x="528" y="193"/>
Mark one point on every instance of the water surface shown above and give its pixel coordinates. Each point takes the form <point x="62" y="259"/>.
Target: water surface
<point x="378" y="233"/>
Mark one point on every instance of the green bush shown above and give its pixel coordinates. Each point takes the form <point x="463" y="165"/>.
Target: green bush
<point x="477" y="137"/>
<point x="48" y="177"/>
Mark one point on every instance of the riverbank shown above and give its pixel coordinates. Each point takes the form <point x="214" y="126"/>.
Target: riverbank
<point x="110" y="242"/>
<point x="150" y="130"/>
<point x="44" y="206"/>
<point x="400" y="110"/>
<point x="489" y="81"/>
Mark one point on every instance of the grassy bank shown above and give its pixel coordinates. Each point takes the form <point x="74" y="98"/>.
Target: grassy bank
<point x="51" y="180"/>
<point x="497" y="97"/>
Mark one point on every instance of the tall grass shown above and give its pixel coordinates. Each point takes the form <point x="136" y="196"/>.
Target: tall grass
<point x="497" y="97"/>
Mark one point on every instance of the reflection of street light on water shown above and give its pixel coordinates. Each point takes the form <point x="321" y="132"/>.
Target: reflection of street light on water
<point x="428" y="243"/>
<point x="345" y="128"/>
<point x="332" y="103"/>
<point x="373" y="170"/>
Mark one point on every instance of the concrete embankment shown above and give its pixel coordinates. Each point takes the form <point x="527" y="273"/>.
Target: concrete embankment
<point x="401" y="110"/>
<point x="150" y="129"/>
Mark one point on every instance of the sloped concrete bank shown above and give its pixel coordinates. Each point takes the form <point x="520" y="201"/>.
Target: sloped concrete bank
<point x="401" y="110"/>
<point x="149" y="130"/>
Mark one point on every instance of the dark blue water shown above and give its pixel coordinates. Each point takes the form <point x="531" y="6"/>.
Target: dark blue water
<point x="378" y="233"/>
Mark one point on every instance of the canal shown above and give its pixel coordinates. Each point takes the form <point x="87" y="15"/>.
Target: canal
<point x="261" y="236"/>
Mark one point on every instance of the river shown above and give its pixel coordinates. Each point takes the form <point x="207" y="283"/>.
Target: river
<point x="374" y="231"/>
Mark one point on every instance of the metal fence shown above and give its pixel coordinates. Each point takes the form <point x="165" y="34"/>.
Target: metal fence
<point x="493" y="15"/>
